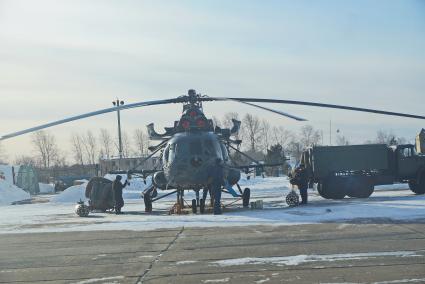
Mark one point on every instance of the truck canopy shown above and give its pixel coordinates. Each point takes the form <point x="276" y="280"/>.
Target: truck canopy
<point x="325" y="160"/>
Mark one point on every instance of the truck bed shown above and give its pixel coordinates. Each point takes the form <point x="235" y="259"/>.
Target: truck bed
<point x="330" y="159"/>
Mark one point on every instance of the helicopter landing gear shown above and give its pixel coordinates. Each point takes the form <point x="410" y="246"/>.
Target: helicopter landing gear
<point x="194" y="207"/>
<point x="197" y="197"/>
<point x="147" y="197"/>
<point x="245" y="197"/>
<point x="180" y="198"/>
<point x="202" y="206"/>
<point x="148" y="203"/>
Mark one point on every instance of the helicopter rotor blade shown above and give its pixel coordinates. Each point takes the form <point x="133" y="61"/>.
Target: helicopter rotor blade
<point x="86" y="115"/>
<point x="271" y="110"/>
<point x="322" y="105"/>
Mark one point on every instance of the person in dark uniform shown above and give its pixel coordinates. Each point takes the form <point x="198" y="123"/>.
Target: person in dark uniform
<point x="117" y="187"/>
<point x="300" y="179"/>
<point x="216" y="178"/>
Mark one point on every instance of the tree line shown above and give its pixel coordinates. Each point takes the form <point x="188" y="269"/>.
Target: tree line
<point x="258" y="136"/>
<point x="86" y="148"/>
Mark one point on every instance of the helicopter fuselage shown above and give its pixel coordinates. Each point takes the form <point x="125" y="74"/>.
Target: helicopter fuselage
<point x="188" y="157"/>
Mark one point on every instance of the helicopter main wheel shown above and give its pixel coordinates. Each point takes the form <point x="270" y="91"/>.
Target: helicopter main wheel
<point x="194" y="208"/>
<point x="245" y="197"/>
<point x="202" y="206"/>
<point x="148" y="203"/>
<point x="418" y="185"/>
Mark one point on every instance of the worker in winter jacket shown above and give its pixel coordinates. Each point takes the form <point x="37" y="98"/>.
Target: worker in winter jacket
<point x="216" y="181"/>
<point x="300" y="179"/>
<point x="117" y="187"/>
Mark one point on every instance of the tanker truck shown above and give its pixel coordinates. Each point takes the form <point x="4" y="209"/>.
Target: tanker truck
<point x="354" y="170"/>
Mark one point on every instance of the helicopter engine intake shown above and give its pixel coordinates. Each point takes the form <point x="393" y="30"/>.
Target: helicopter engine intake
<point x="159" y="180"/>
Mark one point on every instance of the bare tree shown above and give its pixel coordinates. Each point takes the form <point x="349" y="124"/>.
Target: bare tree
<point x="251" y="127"/>
<point x="90" y="147"/>
<point x="282" y="136"/>
<point x="295" y="149"/>
<point x="106" y="143"/>
<point x="26" y="160"/>
<point x="309" y="136"/>
<point x="46" y="148"/>
<point x="3" y="155"/>
<point x="341" y="140"/>
<point x="60" y="160"/>
<point x="388" y="137"/>
<point x="266" y="134"/>
<point x="77" y="142"/>
<point x="126" y="145"/>
<point x="142" y="142"/>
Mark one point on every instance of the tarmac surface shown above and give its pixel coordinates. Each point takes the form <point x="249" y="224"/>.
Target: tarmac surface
<point x="375" y="252"/>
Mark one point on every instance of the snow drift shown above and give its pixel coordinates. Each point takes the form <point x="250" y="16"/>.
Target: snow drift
<point x="10" y="193"/>
<point x="72" y="194"/>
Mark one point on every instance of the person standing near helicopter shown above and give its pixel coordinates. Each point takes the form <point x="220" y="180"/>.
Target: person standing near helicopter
<point x="216" y="181"/>
<point x="117" y="187"/>
<point x="300" y="179"/>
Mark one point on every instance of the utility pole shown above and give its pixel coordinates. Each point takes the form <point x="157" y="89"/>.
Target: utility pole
<point x="330" y="132"/>
<point x="119" y="103"/>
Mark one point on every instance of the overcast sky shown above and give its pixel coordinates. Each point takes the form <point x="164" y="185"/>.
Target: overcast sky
<point x="60" y="58"/>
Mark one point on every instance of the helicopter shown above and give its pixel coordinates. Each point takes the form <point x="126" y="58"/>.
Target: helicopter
<point x="194" y="145"/>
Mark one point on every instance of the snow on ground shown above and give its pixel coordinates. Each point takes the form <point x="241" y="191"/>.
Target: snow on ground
<point x="387" y="204"/>
<point x="46" y="188"/>
<point x="294" y="260"/>
<point x="10" y="193"/>
<point x="72" y="194"/>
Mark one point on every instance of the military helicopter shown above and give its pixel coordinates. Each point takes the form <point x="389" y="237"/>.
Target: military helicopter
<point x="193" y="145"/>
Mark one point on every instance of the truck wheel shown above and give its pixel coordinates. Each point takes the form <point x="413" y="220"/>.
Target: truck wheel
<point x="418" y="186"/>
<point x="360" y="187"/>
<point x="322" y="192"/>
<point x="334" y="187"/>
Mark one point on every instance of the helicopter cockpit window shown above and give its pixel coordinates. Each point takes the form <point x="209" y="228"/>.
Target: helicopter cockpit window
<point x="166" y="153"/>
<point x="172" y="152"/>
<point x="195" y="147"/>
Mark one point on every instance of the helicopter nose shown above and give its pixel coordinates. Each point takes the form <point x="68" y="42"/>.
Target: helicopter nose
<point x="196" y="162"/>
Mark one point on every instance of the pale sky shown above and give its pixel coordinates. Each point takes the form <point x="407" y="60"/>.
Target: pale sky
<point x="62" y="58"/>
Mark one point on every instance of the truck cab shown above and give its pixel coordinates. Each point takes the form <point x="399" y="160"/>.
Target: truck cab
<point x="407" y="162"/>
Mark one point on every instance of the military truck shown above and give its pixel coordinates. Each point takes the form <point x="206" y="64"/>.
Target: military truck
<point x="354" y="170"/>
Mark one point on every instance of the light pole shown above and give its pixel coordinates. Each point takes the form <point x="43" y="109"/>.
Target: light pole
<point x="119" y="103"/>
